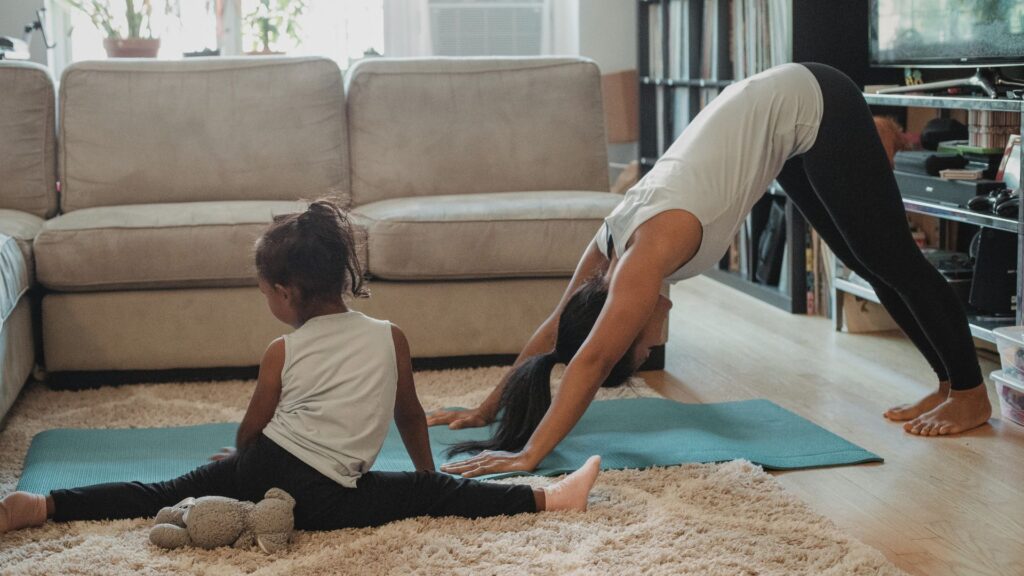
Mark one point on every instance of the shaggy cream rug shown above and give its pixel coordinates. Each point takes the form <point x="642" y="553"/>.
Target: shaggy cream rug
<point x="721" y="519"/>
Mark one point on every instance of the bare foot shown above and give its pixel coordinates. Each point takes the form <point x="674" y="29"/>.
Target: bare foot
<point x="570" y="493"/>
<point x="21" y="509"/>
<point x="962" y="411"/>
<point x="905" y="412"/>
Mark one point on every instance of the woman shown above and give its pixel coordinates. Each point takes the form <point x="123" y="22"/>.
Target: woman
<point x="807" y="126"/>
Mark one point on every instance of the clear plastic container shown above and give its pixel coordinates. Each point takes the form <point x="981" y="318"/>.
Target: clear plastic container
<point x="1011" y="396"/>
<point x="1010" y="341"/>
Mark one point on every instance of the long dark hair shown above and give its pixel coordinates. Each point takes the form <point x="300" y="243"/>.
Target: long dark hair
<point x="313" y="251"/>
<point x="527" y="393"/>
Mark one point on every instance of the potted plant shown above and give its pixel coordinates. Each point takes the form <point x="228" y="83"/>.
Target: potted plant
<point x="269" y="19"/>
<point x="128" y="24"/>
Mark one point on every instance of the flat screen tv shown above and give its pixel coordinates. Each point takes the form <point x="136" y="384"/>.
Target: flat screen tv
<point x="944" y="33"/>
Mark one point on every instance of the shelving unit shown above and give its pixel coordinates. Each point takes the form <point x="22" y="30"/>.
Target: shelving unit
<point x="685" y="57"/>
<point x="981" y="327"/>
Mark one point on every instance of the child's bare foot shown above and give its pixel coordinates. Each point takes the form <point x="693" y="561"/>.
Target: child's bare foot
<point x="962" y="411"/>
<point x="21" y="509"/>
<point x="570" y="493"/>
<point x="905" y="412"/>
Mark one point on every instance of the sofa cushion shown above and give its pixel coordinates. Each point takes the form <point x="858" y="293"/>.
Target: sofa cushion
<point x="23" y="227"/>
<point x="28" y="167"/>
<point x="152" y="131"/>
<point x="426" y="127"/>
<point x="511" y="234"/>
<point x="14" y="276"/>
<point x="196" y="244"/>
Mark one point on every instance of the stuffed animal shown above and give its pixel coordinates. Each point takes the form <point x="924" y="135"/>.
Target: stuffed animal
<point x="212" y="521"/>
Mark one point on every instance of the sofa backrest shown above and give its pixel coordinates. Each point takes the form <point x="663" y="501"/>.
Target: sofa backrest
<point x="28" y="169"/>
<point x="149" y="131"/>
<point x="462" y="126"/>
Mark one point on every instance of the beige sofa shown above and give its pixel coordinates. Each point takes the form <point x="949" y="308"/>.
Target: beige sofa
<point x="474" y="184"/>
<point x="28" y="194"/>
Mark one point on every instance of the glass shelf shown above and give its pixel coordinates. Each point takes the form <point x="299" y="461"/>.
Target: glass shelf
<point x="981" y="326"/>
<point x="958" y="214"/>
<point x="958" y="102"/>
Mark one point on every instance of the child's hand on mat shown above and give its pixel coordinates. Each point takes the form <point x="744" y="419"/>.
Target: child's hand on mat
<point x="488" y="462"/>
<point x="456" y="419"/>
<point x="225" y="452"/>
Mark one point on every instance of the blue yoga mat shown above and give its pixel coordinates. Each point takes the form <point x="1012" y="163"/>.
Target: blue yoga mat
<point x="632" y="433"/>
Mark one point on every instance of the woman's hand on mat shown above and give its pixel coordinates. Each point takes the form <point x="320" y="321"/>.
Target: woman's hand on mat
<point x="491" y="462"/>
<point x="456" y="419"/>
<point x="225" y="452"/>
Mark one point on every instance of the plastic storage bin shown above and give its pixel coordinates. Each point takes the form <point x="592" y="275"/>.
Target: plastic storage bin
<point x="1010" y="341"/>
<point x="1011" y="396"/>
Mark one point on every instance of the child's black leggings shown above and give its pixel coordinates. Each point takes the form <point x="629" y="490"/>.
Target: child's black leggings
<point x="845" y="188"/>
<point x="320" y="503"/>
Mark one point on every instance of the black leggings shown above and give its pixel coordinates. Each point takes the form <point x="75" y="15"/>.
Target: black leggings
<point x="320" y="503"/>
<point x="845" y="188"/>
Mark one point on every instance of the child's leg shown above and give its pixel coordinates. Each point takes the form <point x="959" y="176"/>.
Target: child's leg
<point x="382" y="497"/>
<point x="118" y="499"/>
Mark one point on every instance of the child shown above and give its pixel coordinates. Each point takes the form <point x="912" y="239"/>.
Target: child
<point x="319" y="414"/>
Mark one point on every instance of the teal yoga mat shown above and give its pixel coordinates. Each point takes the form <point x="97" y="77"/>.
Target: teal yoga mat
<point x="632" y="433"/>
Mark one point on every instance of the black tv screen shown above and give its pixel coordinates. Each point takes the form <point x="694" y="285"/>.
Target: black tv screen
<point x="947" y="32"/>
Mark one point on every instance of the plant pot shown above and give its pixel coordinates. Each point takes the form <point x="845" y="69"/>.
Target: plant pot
<point x="131" y="47"/>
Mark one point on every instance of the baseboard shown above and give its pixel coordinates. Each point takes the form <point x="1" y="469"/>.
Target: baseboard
<point x="656" y="361"/>
<point x="75" y="380"/>
<point x="81" y="380"/>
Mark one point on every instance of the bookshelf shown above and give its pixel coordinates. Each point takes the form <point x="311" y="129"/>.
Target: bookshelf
<point x="689" y="50"/>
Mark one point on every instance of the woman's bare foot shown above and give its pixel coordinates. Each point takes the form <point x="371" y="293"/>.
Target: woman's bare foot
<point x="905" y="412"/>
<point x="962" y="411"/>
<point x="20" y="510"/>
<point x="570" y="493"/>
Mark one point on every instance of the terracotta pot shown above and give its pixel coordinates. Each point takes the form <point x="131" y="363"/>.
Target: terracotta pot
<point x="131" y="47"/>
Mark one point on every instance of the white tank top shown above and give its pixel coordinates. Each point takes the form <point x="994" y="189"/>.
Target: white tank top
<point x="724" y="161"/>
<point x="337" y="394"/>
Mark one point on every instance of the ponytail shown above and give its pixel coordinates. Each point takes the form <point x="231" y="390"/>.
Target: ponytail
<point x="527" y="394"/>
<point x="524" y="401"/>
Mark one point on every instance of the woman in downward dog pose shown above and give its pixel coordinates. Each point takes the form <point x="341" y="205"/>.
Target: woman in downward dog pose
<point x="323" y="402"/>
<point x="807" y="126"/>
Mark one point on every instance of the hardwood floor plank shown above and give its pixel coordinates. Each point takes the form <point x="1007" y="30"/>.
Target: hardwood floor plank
<point x="936" y="506"/>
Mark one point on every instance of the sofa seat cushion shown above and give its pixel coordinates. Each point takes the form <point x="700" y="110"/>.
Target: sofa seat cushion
<point x="509" y="234"/>
<point x="179" y="245"/>
<point x="22" y="227"/>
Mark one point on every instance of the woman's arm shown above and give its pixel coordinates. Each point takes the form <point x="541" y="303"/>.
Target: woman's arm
<point x="265" y="397"/>
<point x="660" y="246"/>
<point x="409" y="416"/>
<point x="543" y="340"/>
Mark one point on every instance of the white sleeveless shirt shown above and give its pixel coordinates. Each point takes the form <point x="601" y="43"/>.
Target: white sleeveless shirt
<point x="724" y="161"/>
<point x="338" y="388"/>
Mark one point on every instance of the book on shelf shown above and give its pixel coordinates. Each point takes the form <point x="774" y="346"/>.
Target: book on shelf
<point x="681" y="111"/>
<point x="678" y="22"/>
<point x="654" y="29"/>
<point x="761" y="36"/>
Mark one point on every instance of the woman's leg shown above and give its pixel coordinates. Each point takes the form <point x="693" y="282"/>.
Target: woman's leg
<point x="799" y="190"/>
<point x="849" y="171"/>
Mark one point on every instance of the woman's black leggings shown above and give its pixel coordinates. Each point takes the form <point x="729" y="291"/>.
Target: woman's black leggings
<point x="320" y="503"/>
<point x="845" y="188"/>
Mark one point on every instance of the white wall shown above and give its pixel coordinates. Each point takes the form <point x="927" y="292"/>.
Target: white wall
<point x="14" y="14"/>
<point x="607" y="33"/>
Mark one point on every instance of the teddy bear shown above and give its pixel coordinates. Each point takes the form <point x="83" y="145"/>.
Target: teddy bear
<point x="212" y="521"/>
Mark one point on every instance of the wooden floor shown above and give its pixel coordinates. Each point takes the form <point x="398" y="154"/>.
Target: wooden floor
<point x="936" y="506"/>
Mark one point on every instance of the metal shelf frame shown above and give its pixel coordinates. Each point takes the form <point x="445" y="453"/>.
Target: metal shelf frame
<point x="981" y="327"/>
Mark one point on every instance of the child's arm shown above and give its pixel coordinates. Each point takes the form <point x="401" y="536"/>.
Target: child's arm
<point x="409" y="416"/>
<point x="265" y="397"/>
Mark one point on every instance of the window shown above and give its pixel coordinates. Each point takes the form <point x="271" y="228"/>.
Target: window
<point x="487" y="27"/>
<point x="342" y="31"/>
